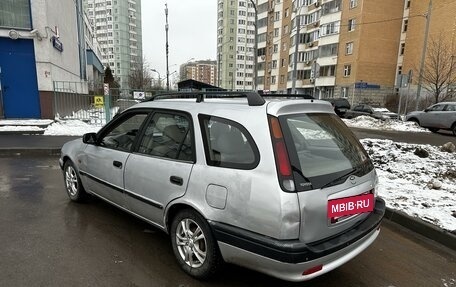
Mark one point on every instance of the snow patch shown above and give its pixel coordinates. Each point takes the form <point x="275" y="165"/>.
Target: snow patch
<point x="70" y="128"/>
<point x="404" y="180"/>
<point x="367" y="122"/>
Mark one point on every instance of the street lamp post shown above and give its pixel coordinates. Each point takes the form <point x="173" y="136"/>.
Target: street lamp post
<point x="295" y="55"/>
<point x="423" y="54"/>
<point x="183" y="69"/>
<point x="159" y="78"/>
<point x="167" y="47"/>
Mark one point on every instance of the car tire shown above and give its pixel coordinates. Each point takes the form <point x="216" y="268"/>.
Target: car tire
<point x="415" y="120"/>
<point x="73" y="185"/>
<point x="434" y="130"/>
<point x="194" y="245"/>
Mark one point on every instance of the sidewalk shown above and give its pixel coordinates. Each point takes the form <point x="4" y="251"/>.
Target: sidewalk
<point x="40" y="145"/>
<point x="17" y="144"/>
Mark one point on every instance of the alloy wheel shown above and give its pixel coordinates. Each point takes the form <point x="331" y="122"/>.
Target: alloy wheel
<point x="191" y="243"/>
<point x="71" y="181"/>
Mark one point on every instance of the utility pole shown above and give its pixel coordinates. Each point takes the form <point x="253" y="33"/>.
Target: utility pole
<point x="255" y="48"/>
<point x="167" y="47"/>
<point x="295" y="55"/>
<point x="423" y="54"/>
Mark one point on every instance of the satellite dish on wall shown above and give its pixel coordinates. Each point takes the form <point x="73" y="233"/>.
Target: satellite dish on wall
<point x="13" y="34"/>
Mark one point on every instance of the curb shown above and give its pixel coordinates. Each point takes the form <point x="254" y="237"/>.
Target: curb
<point x="37" y="132"/>
<point x="29" y="151"/>
<point x="421" y="227"/>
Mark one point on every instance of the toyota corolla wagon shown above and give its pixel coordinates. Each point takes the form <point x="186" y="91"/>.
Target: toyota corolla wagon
<point x="277" y="185"/>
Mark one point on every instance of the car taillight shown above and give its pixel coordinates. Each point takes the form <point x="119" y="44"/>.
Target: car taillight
<point x="281" y="155"/>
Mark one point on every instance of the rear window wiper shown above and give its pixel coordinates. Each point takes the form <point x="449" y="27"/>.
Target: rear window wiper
<point x="342" y="177"/>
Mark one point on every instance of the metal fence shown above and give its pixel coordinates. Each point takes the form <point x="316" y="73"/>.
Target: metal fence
<point x="86" y="101"/>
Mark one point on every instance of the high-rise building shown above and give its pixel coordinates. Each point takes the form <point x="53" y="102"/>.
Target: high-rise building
<point x="235" y="44"/>
<point x="332" y="48"/>
<point x="202" y="71"/>
<point x="117" y="25"/>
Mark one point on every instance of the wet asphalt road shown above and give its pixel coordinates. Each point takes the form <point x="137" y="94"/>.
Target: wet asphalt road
<point x="48" y="241"/>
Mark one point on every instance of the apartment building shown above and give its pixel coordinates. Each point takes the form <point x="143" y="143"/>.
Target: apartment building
<point x="335" y="48"/>
<point x="235" y="44"/>
<point x="370" y="33"/>
<point x="442" y="30"/>
<point x="117" y="26"/>
<point x="202" y="71"/>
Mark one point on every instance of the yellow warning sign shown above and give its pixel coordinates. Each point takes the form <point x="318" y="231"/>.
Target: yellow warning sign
<point x="98" y="101"/>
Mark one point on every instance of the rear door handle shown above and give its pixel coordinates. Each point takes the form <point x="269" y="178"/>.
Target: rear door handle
<point x="176" y="180"/>
<point x="117" y="164"/>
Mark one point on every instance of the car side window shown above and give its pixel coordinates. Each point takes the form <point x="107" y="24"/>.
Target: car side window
<point x="450" y="108"/>
<point x="436" y="108"/>
<point x="358" y="108"/>
<point x="228" y="144"/>
<point x="122" y="135"/>
<point x="168" y="135"/>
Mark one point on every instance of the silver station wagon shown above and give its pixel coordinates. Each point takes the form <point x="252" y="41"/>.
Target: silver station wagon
<point x="278" y="185"/>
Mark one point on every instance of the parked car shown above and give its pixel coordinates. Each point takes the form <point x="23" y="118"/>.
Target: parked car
<point x="436" y="117"/>
<point x="387" y="113"/>
<point x="364" y="110"/>
<point x="341" y="105"/>
<point x="279" y="186"/>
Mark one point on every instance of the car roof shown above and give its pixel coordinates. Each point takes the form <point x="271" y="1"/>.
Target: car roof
<point x="272" y="105"/>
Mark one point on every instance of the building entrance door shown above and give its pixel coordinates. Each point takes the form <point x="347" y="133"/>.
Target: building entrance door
<point x="19" y="85"/>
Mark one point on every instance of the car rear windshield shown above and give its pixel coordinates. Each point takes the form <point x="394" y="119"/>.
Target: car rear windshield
<point x="322" y="150"/>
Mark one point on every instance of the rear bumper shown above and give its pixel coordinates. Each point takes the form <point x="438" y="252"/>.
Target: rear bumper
<point x="287" y="259"/>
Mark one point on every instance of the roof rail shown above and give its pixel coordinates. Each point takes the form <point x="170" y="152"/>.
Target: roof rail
<point x="253" y="98"/>
<point x="288" y="96"/>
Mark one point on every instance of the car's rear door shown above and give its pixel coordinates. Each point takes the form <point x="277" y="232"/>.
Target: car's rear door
<point x="102" y="165"/>
<point x="159" y="169"/>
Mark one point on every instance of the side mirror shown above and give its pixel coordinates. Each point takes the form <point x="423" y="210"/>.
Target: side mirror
<point x="89" y="138"/>
<point x="426" y="110"/>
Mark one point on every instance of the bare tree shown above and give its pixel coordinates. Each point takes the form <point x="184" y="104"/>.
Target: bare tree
<point x="439" y="73"/>
<point x="140" y="77"/>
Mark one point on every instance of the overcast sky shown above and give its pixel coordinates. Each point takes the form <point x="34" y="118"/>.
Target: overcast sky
<point x="192" y="32"/>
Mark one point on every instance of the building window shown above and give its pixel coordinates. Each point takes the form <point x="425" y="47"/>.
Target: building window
<point x="402" y="49"/>
<point x="399" y="70"/>
<point x="344" y="92"/>
<point x="282" y="79"/>
<point x="353" y="3"/>
<point x="327" y="71"/>
<point x="351" y="24"/>
<point x="276" y="32"/>
<point x="330" y="28"/>
<point x="349" y="48"/>
<point x="277" y="16"/>
<point x="347" y="70"/>
<point x="407" y="5"/>
<point x="404" y="28"/>
<point x="15" y="14"/>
